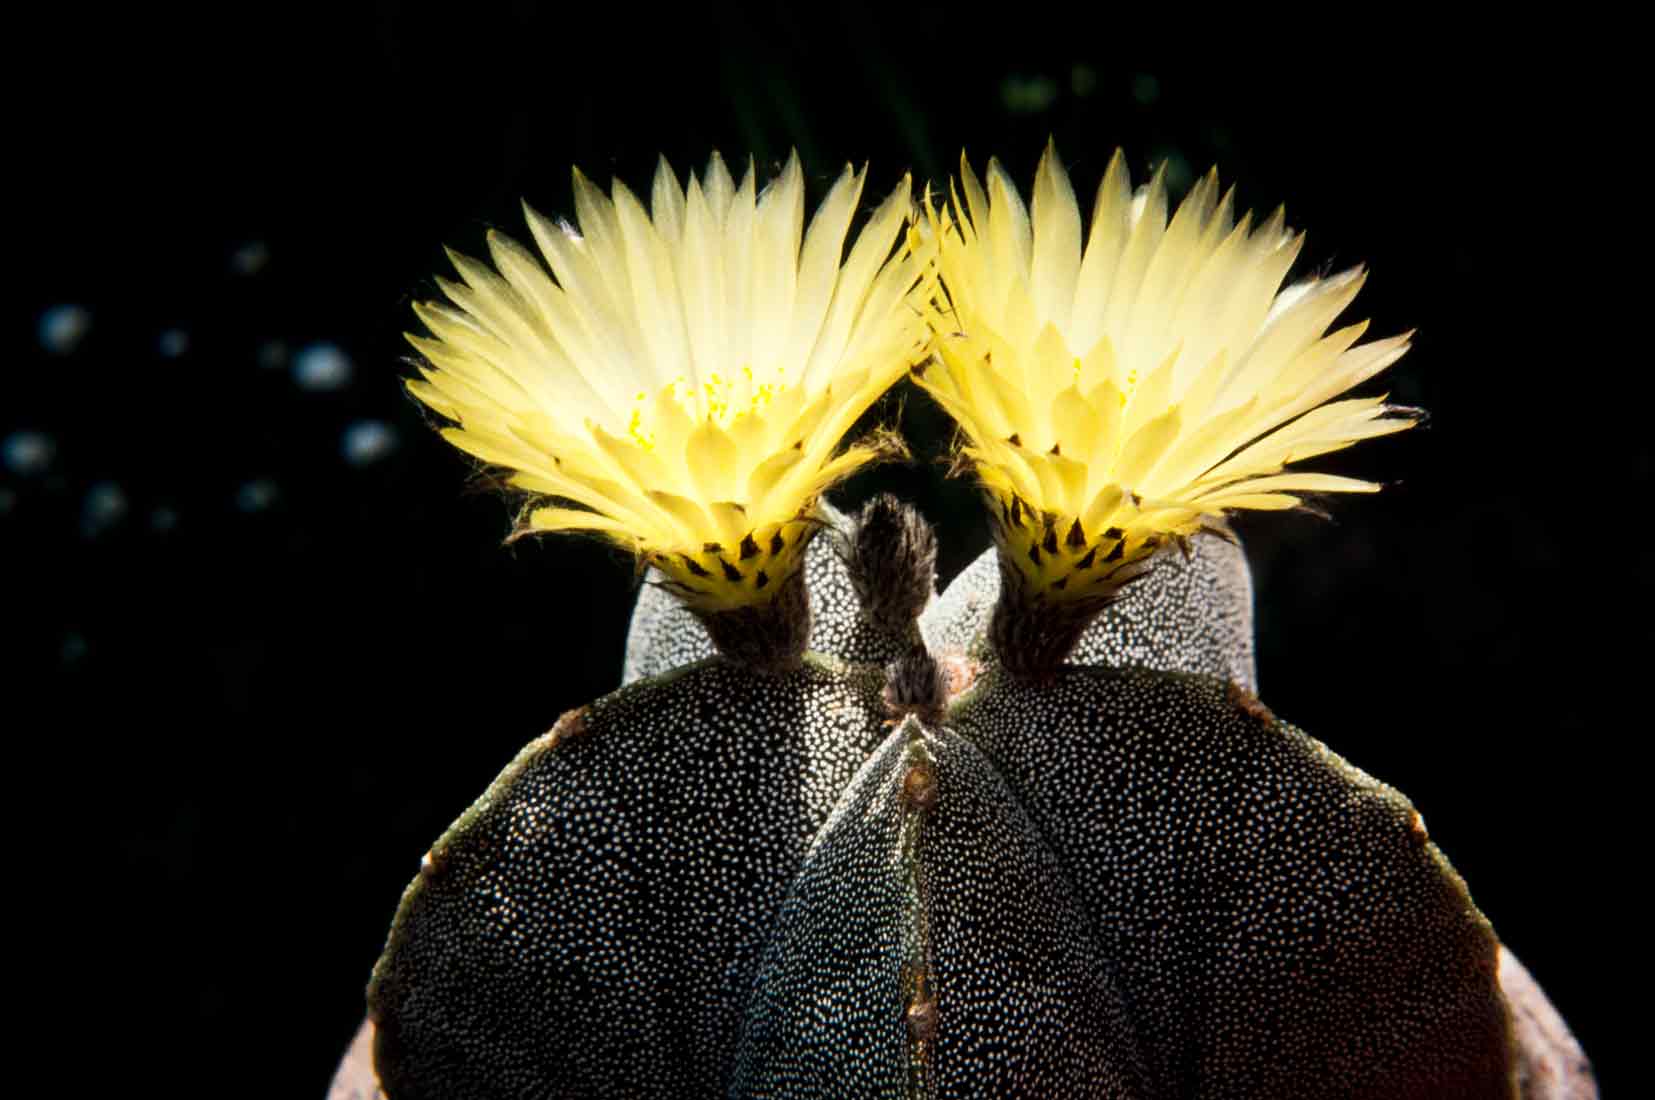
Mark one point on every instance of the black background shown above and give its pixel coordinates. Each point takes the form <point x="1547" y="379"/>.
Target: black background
<point x="257" y="714"/>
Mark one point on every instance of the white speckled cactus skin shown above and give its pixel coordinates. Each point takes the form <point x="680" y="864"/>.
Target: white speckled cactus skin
<point x="1130" y="881"/>
<point x="1185" y="616"/>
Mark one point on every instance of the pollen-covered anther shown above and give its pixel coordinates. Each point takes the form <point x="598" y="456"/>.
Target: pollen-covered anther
<point x="1123" y="385"/>
<point x="679" y="379"/>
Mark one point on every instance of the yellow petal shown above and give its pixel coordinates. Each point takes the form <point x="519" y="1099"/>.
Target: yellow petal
<point x="667" y="203"/>
<point x="1056" y="243"/>
<point x="570" y="519"/>
<point x="1145" y="447"/>
<point x="1100" y="513"/>
<point x="1076" y="422"/>
<point x="714" y="462"/>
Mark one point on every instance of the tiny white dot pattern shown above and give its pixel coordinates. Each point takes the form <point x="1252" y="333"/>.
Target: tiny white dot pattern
<point x="1130" y="884"/>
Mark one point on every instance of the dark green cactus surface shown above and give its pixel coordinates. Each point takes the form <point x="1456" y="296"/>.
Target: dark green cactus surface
<point x="1129" y="881"/>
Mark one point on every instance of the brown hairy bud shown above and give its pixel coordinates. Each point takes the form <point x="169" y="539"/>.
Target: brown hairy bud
<point x="915" y="684"/>
<point x="891" y="553"/>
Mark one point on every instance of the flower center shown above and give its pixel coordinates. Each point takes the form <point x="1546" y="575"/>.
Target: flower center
<point x="721" y="398"/>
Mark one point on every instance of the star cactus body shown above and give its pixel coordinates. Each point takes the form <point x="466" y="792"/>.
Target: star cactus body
<point x="1132" y="882"/>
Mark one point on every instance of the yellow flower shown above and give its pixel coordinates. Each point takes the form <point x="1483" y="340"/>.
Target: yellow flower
<point x="1117" y="396"/>
<point x="684" y="375"/>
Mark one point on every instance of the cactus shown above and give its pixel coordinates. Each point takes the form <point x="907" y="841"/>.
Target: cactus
<point x="1130" y="882"/>
<point x="839" y="835"/>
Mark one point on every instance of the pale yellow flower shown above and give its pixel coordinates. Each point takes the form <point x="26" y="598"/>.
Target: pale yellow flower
<point x="1126" y="387"/>
<point x="683" y="376"/>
